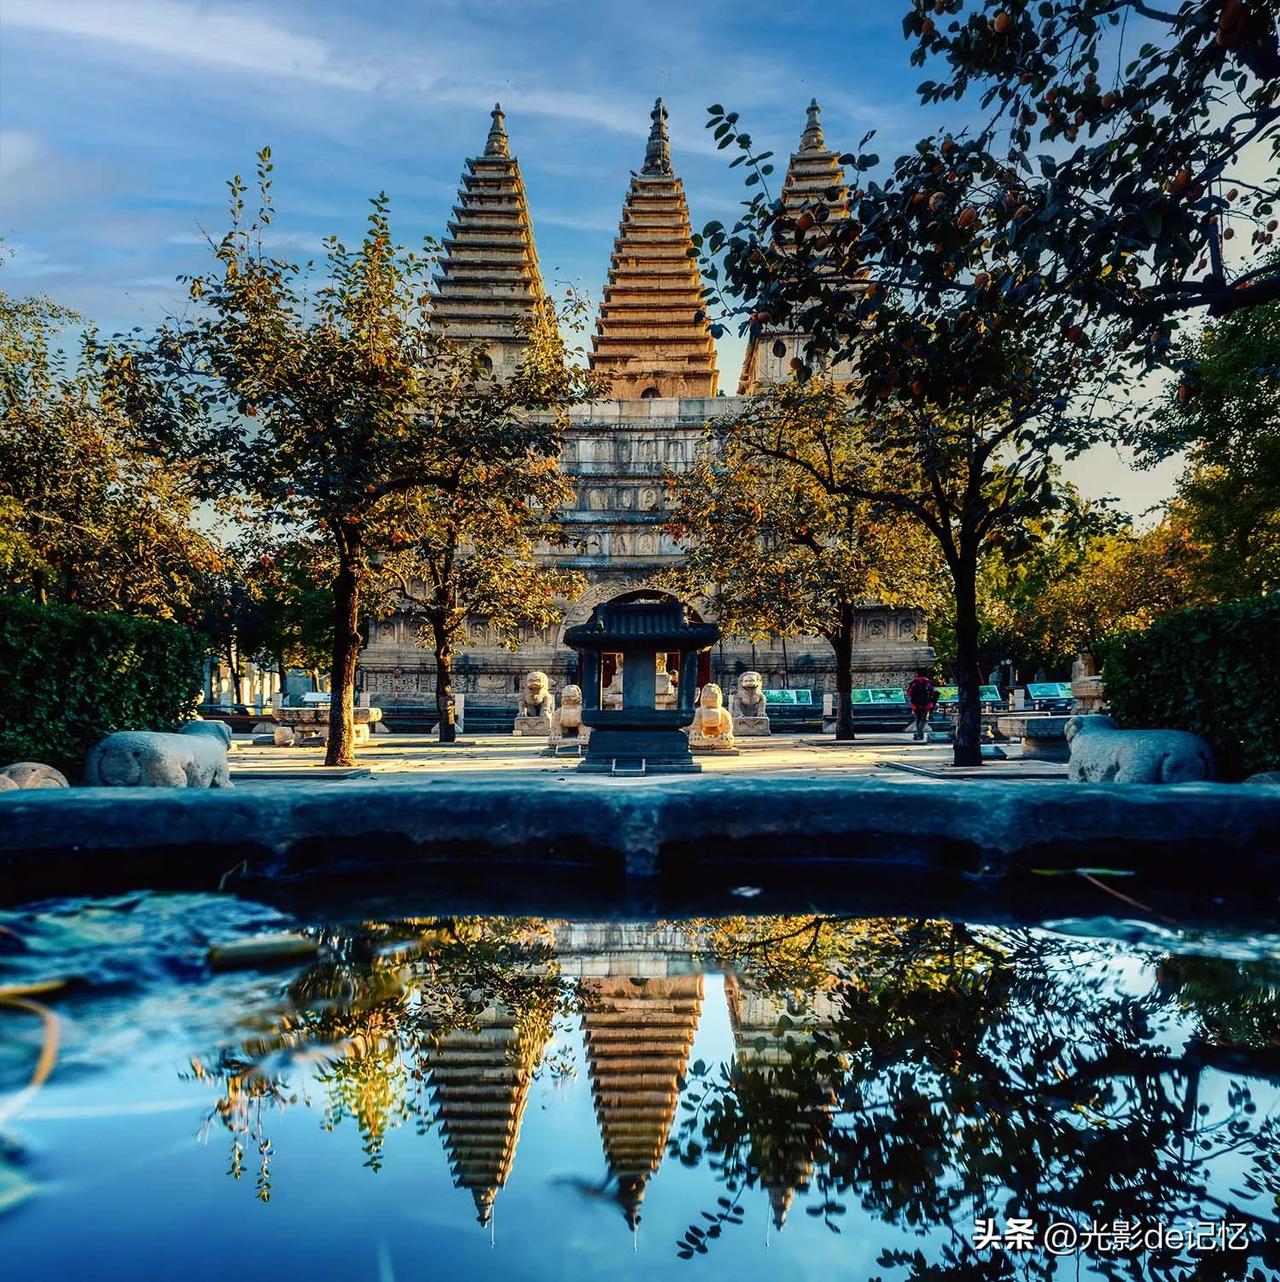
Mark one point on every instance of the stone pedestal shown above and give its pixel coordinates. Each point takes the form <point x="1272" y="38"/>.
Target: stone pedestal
<point x="1043" y="738"/>
<point x="1089" y="695"/>
<point x="537" y="727"/>
<point x="748" y="727"/>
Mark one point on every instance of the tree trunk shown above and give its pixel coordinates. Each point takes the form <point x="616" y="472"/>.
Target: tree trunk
<point x="968" y="740"/>
<point x="233" y="669"/>
<point x="444" y="683"/>
<point x="346" y="654"/>
<point x="842" y="643"/>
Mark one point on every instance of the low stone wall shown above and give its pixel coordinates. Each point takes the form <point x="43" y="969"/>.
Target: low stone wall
<point x="687" y="833"/>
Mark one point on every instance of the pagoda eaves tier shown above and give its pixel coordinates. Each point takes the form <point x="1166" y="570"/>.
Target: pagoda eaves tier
<point x="489" y="290"/>
<point x="653" y="337"/>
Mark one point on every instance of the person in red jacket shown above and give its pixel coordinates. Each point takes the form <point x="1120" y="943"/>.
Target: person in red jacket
<point x="922" y="695"/>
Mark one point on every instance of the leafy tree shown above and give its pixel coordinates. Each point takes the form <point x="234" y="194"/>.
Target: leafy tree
<point x="325" y="407"/>
<point x="970" y="386"/>
<point x="89" y="517"/>
<point x="1121" y="583"/>
<point x="1225" y="412"/>
<point x="289" y="580"/>
<point x="1074" y="589"/>
<point x="1158" y="128"/>
<point x="962" y="1072"/>
<point x="229" y="614"/>
<point x="777" y="552"/>
<point x="994" y="307"/>
<point x="472" y="554"/>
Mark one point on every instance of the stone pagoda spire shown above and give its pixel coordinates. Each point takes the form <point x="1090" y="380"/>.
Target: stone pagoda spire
<point x="652" y="337"/>
<point x="638" y="1036"/>
<point x="657" y="155"/>
<point x="496" y="143"/>
<point x="814" y="179"/>
<point x="489" y="290"/>
<point x="480" y="1085"/>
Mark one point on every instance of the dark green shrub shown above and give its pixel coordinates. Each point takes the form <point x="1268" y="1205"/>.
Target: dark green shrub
<point x="67" y="677"/>
<point x="1213" y="670"/>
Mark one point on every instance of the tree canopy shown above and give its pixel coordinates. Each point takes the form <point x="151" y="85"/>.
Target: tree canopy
<point x="89" y="516"/>
<point x="321" y="408"/>
<point x="778" y="553"/>
<point x="1224" y="411"/>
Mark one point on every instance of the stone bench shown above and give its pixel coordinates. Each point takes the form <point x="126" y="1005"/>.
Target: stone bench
<point x="1044" y="738"/>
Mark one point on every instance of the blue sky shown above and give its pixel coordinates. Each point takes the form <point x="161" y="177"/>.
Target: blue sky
<point x="120" y="121"/>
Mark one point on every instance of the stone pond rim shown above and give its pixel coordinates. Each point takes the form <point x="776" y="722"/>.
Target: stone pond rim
<point x="691" y="831"/>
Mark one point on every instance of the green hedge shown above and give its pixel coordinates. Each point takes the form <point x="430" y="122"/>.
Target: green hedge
<point x="1214" y="671"/>
<point x="67" y="677"/>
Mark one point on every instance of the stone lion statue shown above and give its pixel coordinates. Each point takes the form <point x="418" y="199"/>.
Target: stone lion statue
<point x="566" y="720"/>
<point x="1103" y="753"/>
<point x="537" y="700"/>
<point x="219" y="730"/>
<point x="748" y="699"/>
<point x="712" y="725"/>
<point x="196" y="757"/>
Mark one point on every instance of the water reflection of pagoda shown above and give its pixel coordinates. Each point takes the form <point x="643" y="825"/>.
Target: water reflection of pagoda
<point x="639" y="1032"/>
<point x="788" y="1106"/>
<point x="480" y="1084"/>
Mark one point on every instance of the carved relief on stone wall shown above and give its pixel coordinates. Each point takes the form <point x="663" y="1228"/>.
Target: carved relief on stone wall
<point x="597" y="499"/>
<point x="907" y="628"/>
<point x="626" y="498"/>
<point x="650" y="499"/>
<point x="621" y="545"/>
<point x="393" y="682"/>
<point x="647" y="545"/>
<point x="876" y="629"/>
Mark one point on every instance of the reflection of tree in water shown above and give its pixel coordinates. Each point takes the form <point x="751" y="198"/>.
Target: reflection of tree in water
<point x="441" y="1022"/>
<point x="996" y="1074"/>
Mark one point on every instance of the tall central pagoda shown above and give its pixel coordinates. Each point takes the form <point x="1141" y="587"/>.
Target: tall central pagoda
<point x="653" y="337"/>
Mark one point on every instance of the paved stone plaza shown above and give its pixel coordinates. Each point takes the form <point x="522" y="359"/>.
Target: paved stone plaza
<point x="405" y="758"/>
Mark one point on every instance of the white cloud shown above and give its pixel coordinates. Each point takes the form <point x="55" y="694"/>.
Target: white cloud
<point x="169" y="33"/>
<point x="234" y="38"/>
<point x="18" y="151"/>
<point x="34" y="177"/>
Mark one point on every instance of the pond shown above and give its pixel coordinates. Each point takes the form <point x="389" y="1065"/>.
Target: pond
<point x="752" y="1096"/>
